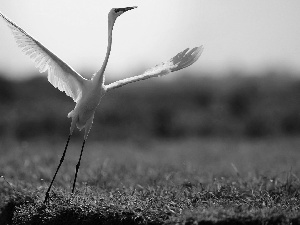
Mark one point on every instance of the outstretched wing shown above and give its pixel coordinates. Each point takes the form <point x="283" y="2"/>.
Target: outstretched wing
<point x="60" y="74"/>
<point x="178" y="62"/>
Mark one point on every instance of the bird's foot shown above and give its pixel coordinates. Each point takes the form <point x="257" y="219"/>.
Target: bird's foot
<point x="46" y="200"/>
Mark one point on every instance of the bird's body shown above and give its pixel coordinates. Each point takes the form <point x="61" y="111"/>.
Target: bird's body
<point x="88" y="93"/>
<point x="83" y="113"/>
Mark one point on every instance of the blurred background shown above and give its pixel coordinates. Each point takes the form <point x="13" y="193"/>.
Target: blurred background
<point x="245" y="85"/>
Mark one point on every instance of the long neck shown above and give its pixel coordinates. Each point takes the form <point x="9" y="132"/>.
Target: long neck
<point x="99" y="77"/>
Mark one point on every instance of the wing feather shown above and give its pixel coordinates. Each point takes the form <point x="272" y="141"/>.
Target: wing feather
<point x="60" y="74"/>
<point x="181" y="60"/>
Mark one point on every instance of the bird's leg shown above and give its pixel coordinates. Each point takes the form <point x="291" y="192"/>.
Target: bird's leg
<point x="87" y="129"/>
<point x="61" y="160"/>
<point x="77" y="166"/>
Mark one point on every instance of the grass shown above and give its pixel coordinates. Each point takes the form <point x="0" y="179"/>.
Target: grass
<point x="210" y="181"/>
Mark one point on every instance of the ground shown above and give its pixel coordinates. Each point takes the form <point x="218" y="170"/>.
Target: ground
<point x="181" y="181"/>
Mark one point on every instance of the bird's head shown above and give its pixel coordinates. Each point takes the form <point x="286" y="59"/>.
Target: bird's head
<point x="116" y="12"/>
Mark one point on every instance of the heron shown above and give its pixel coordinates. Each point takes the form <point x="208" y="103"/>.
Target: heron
<point x="87" y="93"/>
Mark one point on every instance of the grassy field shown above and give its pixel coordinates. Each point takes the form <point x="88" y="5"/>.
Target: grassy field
<point x="185" y="181"/>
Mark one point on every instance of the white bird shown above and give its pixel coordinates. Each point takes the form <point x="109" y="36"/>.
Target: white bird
<point x="88" y="93"/>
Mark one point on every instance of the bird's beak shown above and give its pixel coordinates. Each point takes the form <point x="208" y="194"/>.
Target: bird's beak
<point x="126" y="9"/>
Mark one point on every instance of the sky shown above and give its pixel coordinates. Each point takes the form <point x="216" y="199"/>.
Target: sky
<point x="250" y="36"/>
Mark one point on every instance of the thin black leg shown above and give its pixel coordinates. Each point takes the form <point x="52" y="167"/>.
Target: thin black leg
<point x="61" y="160"/>
<point x="77" y="166"/>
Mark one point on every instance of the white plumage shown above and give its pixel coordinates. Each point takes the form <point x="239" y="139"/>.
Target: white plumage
<point x="66" y="80"/>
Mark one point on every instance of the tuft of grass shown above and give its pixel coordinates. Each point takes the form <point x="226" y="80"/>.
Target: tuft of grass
<point x="219" y="201"/>
<point x="157" y="183"/>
